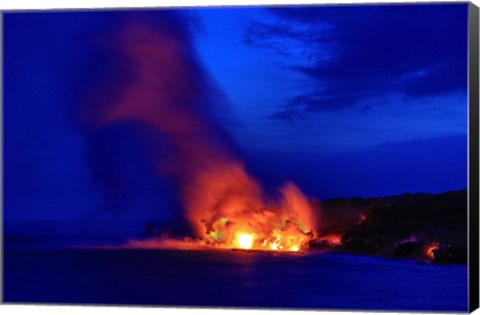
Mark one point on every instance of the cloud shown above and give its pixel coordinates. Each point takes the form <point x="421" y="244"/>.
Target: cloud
<point x="354" y="53"/>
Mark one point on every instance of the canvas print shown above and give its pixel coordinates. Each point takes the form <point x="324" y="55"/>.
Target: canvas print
<point x="306" y="157"/>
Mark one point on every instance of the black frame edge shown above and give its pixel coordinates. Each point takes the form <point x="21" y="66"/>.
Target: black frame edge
<point x="474" y="190"/>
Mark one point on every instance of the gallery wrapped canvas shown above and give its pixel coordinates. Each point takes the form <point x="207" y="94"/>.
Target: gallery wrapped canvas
<point x="299" y="157"/>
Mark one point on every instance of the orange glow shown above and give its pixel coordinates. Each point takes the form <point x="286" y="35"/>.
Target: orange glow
<point x="245" y="221"/>
<point x="429" y="250"/>
<point x="229" y="210"/>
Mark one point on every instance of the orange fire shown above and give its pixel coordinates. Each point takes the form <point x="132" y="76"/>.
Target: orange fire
<point x="429" y="248"/>
<point x="250" y="229"/>
<point x="250" y="225"/>
<point x="245" y="225"/>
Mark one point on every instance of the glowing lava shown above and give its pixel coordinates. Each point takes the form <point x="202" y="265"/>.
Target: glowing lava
<point x="244" y="240"/>
<point x="429" y="250"/>
<point x="333" y="240"/>
<point x="294" y="248"/>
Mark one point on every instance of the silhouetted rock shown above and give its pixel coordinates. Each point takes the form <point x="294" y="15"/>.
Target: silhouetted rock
<point x="401" y="226"/>
<point x="448" y="254"/>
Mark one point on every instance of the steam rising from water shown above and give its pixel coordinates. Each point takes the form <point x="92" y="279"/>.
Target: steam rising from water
<point x="157" y="82"/>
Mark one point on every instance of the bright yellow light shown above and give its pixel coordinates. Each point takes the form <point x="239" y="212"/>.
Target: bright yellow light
<point x="294" y="248"/>
<point x="245" y="241"/>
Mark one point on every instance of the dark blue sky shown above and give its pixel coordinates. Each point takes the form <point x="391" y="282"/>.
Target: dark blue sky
<point x="346" y="101"/>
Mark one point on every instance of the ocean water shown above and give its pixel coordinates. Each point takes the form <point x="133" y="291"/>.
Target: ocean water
<point x="230" y="279"/>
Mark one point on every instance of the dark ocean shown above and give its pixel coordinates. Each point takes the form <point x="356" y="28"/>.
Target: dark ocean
<point x="230" y="279"/>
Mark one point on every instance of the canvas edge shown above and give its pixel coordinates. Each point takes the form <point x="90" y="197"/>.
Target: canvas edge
<point x="473" y="195"/>
<point x="473" y="141"/>
<point x="1" y="160"/>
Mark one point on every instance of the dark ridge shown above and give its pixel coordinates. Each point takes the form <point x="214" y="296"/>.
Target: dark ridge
<point x="400" y="226"/>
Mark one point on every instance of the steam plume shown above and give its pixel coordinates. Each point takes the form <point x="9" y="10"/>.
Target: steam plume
<point x="157" y="82"/>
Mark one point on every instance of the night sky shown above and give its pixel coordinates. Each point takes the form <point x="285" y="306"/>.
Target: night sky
<point x="346" y="101"/>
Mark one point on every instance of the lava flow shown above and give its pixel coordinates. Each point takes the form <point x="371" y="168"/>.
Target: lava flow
<point x="160" y="85"/>
<point x="430" y="250"/>
<point x="285" y="228"/>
